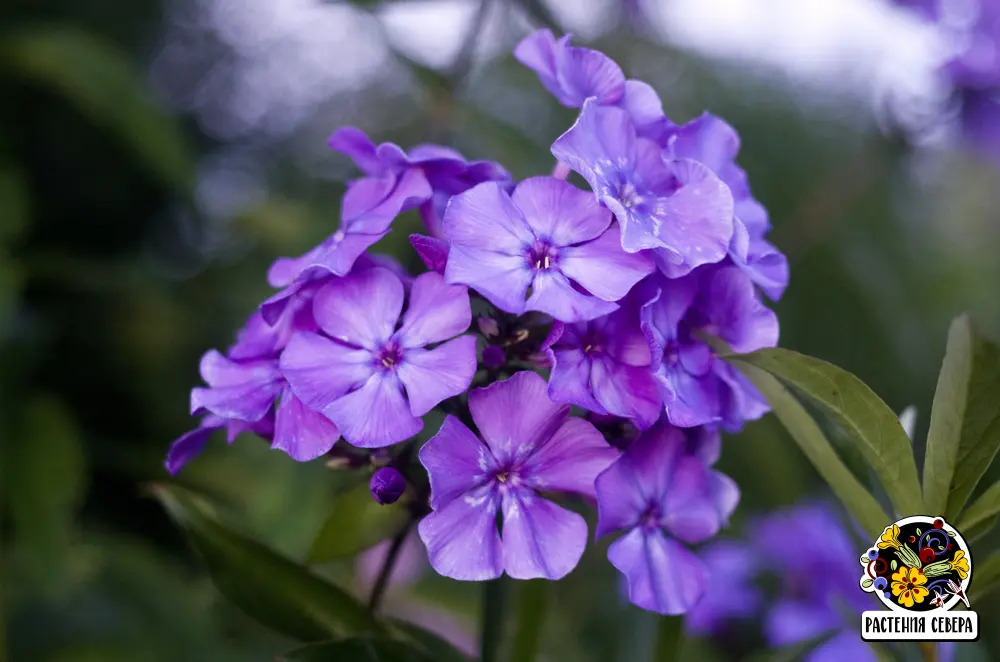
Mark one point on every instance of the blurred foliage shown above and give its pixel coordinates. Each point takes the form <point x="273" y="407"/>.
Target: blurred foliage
<point x="115" y="276"/>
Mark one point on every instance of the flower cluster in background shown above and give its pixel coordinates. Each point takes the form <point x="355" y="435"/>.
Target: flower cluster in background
<point x="609" y="299"/>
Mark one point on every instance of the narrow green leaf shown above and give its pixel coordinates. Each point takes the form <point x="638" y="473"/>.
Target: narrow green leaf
<point x="861" y="413"/>
<point x="958" y="419"/>
<point x="532" y="603"/>
<point x="980" y="435"/>
<point x="365" y="648"/>
<point x="439" y="649"/>
<point x="810" y="439"/>
<point x="982" y="509"/>
<point x="985" y="578"/>
<point x="270" y="588"/>
<point x="356" y="522"/>
<point x="101" y="81"/>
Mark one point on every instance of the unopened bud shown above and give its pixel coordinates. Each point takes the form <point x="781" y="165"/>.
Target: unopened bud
<point x="387" y="485"/>
<point x="494" y="357"/>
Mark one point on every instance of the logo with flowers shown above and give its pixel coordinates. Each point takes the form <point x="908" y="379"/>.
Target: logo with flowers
<point x="918" y="564"/>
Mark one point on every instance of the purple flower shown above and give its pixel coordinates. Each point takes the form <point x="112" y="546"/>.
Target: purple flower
<point x="573" y="74"/>
<point x="820" y="580"/>
<point x="528" y="444"/>
<point x="662" y="485"/>
<point x="549" y="237"/>
<point x="372" y="380"/>
<point x="190" y="444"/>
<point x="368" y="208"/>
<point x="446" y="171"/>
<point x="604" y="366"/>
<point x="387" y="485"/>
<point x="432" y="251"/>
<point x="696" y="387"/>
<point x="731" y="567"/>
<point x="676" y="206"/>
<point x="714" y="143"/>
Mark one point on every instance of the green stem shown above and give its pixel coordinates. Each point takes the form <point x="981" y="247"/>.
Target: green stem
<point x="382" y="582"/>
<point x="532" y="603"/>
<point x="669" y="637"/>
<point x="492" y="625"/>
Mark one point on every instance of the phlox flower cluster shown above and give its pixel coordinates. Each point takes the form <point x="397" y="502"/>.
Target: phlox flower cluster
<point x="605" y="298"/>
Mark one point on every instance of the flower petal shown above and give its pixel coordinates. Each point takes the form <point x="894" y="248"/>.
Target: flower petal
<point x="462" y="539"/>
<point x="245" y="391"/>
<point x="735" y="313"/>
<point x="320" y="370"/>
<point x="360" y="309"/>
<point x="689" y="512"/>
<point x="431" y="376"/>
<point x="663" y="576"/>
<point x="540" y="539"/>
<point x="432" y="251"/>
<point x="518" y="435"/>
<point x="354" y="143"/>
<point x="569" y="379"/>
<point x="707" y="139"/>
<point x="484" y="217"/>
<point x="689" y="400"/>
<point x="187" y="447"/>
<point x="570" y="460"/>
<point x="456" y="462"/>
<point x="603" y="268"/>
<point x="437" y="311"/>
<point x="626" y="391"/>
<point x="560" y="213"/>
<point x="501" y="278"/>
<point x="601" y="137"/>
<point x="411" y="190"/>
<point x="301" y="432"/>
<point x="553" y="294"/>
<point x="375" y="415"/>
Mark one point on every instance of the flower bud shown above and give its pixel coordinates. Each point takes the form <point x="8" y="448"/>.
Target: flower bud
<point x="488" y="326"/>
<point x="387" y="485"/>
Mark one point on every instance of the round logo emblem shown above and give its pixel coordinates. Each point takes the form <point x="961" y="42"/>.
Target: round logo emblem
<point x="918" y="564"/>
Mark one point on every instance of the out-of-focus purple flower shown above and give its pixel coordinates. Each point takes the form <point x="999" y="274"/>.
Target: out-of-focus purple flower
<point x="661" y="485"/>
<point x="714" y="143"/>
<point x="820" y="581"/>
<point x="447" y="172"/>
<point x="696" y="387"/>
<point x="678" y="207"/>
<point x="527" y="443"/>
<point x="372" y="380"/>
<point x="549" y="237"/>
<point x="604" y="366"/>
<point x="572" y="74"/>
<point x="387" y="485"/>
<point x="732" y="567"/>
<point x="981" y="120"/>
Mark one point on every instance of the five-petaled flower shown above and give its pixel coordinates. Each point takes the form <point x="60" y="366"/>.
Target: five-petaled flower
<point x="526" y="444"/>
<point x="908" y="586"/>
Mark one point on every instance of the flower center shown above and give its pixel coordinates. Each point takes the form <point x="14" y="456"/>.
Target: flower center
<point x="651" y="517"/>
<point x="541" y="256"/>
<point x="671" y="353"/>
<point x="629" y="196"/>
<point x="389" y="356"/>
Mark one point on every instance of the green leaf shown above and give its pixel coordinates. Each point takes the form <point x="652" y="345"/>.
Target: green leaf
<point x="356" y="522"/>
<point x="985" y="577"/>
<point x="960" y="417"/>
<point x="862" y="414"/>
<point x="270" y="588"/>
<point x="439" y="649"/>
<point x="868" y="582"/>
<point x="807" y="434"/>
<point x="101" y="81"/>
<point x="364" y="648"/>
<point x="45" y="478"/>
<point x="982" y="509"/>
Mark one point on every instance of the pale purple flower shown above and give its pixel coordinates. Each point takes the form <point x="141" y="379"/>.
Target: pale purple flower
<point x="526" y="444"/>
<point x="549" y="237"/>
<point x="819" y="574"/>
<point x="714" y="143"/>
<point x="372" y="380"/>
<point x="603" y="366"/>
<point x="387" y="485"/>
<point x="662" y="493"/>
<point x="697" y="388"/>
<point x="677" y="206"/>
<point x="732" y="567"/>
<point x="573" y="74"/>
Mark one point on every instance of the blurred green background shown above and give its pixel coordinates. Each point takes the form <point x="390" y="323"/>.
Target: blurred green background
<point x="155" y="158"/>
